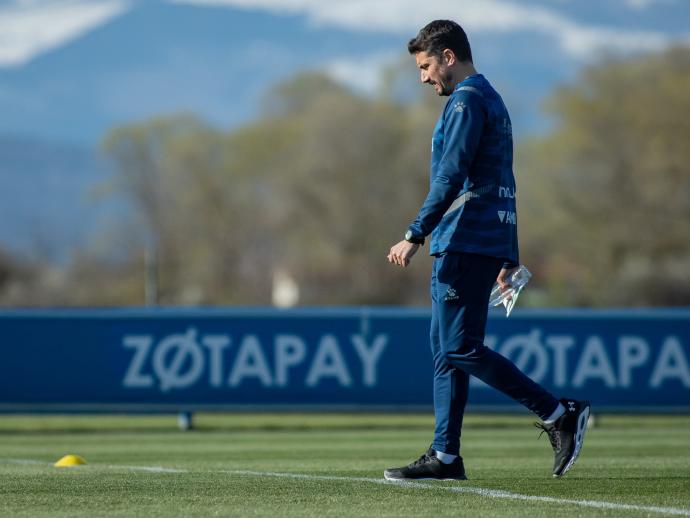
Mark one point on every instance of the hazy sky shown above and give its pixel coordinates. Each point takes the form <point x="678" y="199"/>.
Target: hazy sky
<point x="31" y="27"/>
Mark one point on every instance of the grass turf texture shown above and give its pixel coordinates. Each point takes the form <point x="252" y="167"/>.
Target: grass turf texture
<point x="642" y="461"/>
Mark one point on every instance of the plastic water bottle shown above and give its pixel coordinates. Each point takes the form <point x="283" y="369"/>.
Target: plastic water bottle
<point x="517" y="281"/>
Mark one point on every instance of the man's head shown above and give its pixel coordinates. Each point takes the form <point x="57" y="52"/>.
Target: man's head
<point x="441" y="48"/>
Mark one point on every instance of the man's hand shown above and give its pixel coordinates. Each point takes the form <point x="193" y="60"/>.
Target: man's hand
<point x="503" y="277"/>
<point x="401" y="253"/>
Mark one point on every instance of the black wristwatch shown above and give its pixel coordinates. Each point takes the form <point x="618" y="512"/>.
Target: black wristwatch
<point x="412" y="239"/>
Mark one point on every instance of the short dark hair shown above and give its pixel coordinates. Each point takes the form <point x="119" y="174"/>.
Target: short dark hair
<point x="439" y="35"/>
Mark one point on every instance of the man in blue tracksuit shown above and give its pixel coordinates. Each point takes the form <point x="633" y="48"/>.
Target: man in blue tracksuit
<point x="470" y="214"/>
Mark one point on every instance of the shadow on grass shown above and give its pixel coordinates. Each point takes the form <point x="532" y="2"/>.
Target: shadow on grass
<point x="14" y="425"/>
<point x="229" y="428"/>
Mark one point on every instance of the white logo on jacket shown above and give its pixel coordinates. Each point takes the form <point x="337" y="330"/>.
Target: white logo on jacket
<point x="507" y="216"/>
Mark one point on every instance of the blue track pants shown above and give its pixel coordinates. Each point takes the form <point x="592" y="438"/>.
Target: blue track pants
<point x="460" y="288"/>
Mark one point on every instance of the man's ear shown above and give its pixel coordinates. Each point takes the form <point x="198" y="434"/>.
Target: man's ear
<point x="449" y="57"/>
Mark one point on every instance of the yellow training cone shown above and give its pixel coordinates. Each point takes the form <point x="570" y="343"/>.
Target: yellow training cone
<point x="70" y="460"/>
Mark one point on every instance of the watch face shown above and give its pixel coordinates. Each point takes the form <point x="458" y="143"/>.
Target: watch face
<point x="408" y="234"/>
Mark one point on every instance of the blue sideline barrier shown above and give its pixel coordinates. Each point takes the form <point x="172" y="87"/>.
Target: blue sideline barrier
<point x="184" y="360"/>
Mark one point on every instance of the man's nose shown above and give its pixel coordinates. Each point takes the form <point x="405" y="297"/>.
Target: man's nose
<point x="423" y="76"/>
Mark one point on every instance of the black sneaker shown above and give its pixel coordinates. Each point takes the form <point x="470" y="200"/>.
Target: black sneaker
<point x="567" y="434"/>
<point x="428" y="467"/>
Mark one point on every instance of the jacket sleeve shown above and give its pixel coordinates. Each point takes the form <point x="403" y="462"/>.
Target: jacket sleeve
<point x="464" y="119"/>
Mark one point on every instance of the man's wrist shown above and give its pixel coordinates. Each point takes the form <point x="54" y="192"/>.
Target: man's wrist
<point x="411" y="238"/>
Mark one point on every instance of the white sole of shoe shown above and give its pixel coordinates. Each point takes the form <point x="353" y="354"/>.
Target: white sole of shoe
<point x="582" y="420"/>
<point x="415" y="479"/>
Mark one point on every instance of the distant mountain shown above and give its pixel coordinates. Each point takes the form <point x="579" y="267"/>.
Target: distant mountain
<point x="48" y="196"/>
<point x="161" y="58"/>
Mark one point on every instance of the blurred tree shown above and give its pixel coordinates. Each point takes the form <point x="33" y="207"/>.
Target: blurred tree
<point x="176" y="171"/>
<point x="325" y="181"/>
<point x="12" y="275"/>
<point x="318" y="188"/>
<point x="23" y="280"/>
<point x="606" y="197"/>
<point x="349" y="187"/>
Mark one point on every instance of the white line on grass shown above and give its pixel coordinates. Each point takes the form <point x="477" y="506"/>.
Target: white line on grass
<point x="489" y="493"/>
<point x="149" y="469"/>
<point x="481" y="491"/>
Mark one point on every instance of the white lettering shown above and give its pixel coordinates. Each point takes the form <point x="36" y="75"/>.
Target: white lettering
<point x="328" y="362"/>
<point x="670" y="364"/>
<point x="184" y="346"/>
<point x="134" y="377"/>
<point x="178" y="361"/>
<point x="215" y="345"/>
<point x="250" y="363"/>
<point x="633" y="351"/>
<point x="560" y="345"/>
<point x="369" y="356"/>
<point x="507" y="216"/>
<point x="289" y="351"/>
<point x="594" y="363"/>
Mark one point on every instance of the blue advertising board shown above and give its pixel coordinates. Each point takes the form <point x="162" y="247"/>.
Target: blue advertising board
<point x="343" y="358"/>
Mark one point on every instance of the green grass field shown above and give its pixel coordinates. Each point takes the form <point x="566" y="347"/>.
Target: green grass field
<point x="331" y="465"/>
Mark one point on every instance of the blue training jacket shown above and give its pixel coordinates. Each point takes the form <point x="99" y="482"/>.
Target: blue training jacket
<point x="471" y="202"/>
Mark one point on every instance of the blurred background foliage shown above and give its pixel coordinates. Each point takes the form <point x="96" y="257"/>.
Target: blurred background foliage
<point x="313" y="194"/>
